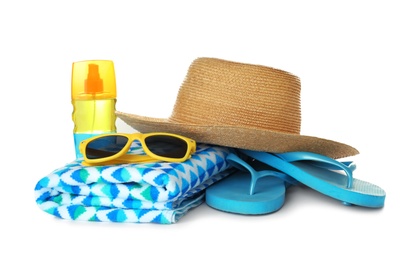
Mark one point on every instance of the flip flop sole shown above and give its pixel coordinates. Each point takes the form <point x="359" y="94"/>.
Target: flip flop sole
<point x="232" y="195"/>
<point x="326" y="181"/>
<point x="333" y="184"/>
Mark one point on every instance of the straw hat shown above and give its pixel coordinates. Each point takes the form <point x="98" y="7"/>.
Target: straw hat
<point x="242" y="106"/>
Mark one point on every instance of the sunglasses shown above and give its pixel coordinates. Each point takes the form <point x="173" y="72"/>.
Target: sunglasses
<point x="114" y="148"/>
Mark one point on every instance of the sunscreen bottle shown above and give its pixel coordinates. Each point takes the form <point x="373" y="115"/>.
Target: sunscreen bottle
<point x="93" y="96"/>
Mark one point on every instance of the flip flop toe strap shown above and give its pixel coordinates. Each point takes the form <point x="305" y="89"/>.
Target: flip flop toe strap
<point x="321" y="161"/>
<point x="238" y="163"/>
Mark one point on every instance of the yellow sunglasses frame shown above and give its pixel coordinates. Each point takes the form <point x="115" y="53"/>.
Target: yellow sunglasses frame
<point x="123" y="157"/>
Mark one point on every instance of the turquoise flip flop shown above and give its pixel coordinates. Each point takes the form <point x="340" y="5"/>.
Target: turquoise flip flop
<point x="325" y="175"/>
<point x="232" y="194"/>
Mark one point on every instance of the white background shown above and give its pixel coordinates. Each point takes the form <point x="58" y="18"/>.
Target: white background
<point x="359" y="69"/>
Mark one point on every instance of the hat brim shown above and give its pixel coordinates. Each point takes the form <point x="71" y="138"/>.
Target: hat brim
<point x="240" y="137"/>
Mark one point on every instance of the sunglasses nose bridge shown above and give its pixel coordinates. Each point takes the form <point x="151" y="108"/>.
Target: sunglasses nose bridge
<point x="141" y="138"/>
<point x="137" y="136"/>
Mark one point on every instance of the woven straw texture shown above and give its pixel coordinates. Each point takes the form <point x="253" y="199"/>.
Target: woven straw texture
<point x="239" y="105"/>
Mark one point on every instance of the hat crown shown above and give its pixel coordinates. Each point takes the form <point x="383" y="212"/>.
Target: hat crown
<point x="221" y="92"/>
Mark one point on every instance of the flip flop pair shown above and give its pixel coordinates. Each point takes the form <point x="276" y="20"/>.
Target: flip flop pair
<point x="263" y="190"/>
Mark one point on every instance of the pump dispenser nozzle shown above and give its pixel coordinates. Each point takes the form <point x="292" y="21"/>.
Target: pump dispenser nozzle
<point x="93" y="84"/>
<point x="93" y="79"/>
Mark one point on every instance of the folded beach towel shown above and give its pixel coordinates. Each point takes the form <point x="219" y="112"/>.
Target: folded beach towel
<point x="159" y="192"/>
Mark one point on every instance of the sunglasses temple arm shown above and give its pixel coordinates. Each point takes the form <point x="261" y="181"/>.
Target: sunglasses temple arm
<point x="134" y="158"/>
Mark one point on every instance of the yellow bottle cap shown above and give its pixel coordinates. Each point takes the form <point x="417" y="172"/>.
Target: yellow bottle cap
<point x="93" y="79"/>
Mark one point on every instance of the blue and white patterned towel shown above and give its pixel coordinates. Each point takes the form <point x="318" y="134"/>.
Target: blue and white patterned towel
<point x="142" y="193"/>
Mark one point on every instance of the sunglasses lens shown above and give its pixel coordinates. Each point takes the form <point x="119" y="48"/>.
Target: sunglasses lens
<point x="105" y="146"/>
<point x="167" y="146"/>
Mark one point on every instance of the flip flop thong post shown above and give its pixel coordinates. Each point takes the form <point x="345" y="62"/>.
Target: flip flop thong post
<point x="323" y="174"/>
<point x="257" y="193"/>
